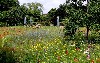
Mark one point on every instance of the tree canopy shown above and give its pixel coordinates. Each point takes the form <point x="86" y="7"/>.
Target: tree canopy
<point x="8" y="4"/>
<point x="81" y="15"/>
<point x="12" y="13"/>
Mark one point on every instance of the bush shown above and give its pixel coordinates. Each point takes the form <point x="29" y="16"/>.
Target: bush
<point x="47" y="24"/>
<point x="79" y="39"/>
<point x="94" y="37"/>
<point x="2" y="24"/>
<point x="7" y="55"/>
<point x="95" y="27"/>
<point x="70" y="29"/>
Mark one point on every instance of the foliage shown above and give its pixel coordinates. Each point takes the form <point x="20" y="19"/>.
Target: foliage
<point x="83" y="15"/>
<point x="70" y="29"/>
<point x="34" y="10"/>
<point x="95" y="27"/>
<point x="6" y="5"/>
<point x="94" y="37"/>
<point x="52" y="16"/>
<point x="13" y="14"/>
<point x="7" y="55"/>
<point x="61" y="11"/>
<point x="44" y="18"/>
<point x="2" y="24"/>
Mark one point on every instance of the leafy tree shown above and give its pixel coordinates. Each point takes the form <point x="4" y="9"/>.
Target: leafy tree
<point x="44" y="17"/>
<point x="12" y="13"/>
<point x="62" y="11"/>
<point x="5" y="8"/>
<point x="73" y="12"/>
<point x="34" y="9"/>
<point x="84" y="15"/>
<point x="52" y="16"/>
<point x="8" y="4"/>
<point x="16" y="15"/>
<point x="92" y="15"/>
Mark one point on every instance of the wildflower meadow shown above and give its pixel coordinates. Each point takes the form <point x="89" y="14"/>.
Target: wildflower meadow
<point x="43" y="45"/>
<point x="49" y="31"/>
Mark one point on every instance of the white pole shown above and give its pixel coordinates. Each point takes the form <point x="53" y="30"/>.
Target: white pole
<point x="25" y="21"/>
<point x="57" y="20"/>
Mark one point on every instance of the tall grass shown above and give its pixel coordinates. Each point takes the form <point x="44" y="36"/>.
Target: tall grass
<point x="45" y="45"/>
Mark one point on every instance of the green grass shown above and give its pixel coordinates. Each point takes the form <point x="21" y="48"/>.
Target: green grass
<point x="45" y="45"/>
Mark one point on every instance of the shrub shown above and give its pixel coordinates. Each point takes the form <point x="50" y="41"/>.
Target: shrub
<point x="94" y="37"/>
<point x="95" y="27"/>
<point x="70" y="29"/>
<point x="7" y="55"/>
<point x="2" y="24"/>
<point x="79" y="39"/>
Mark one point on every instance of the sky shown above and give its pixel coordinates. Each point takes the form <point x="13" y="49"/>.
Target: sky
<point x="47" y="4"/>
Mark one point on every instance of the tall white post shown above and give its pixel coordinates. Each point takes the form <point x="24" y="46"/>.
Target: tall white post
<point x="58" y="21"/>
<point x="25" y="21"/>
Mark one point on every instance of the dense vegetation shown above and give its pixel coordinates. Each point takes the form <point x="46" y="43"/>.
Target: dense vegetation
<point x="44" y="45"/>
<point x="11" y="13"/>
<point x="77" y="41"/>
<point x="76" y="14"/>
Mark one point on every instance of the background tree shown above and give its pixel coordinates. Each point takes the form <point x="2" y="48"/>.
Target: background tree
<point x="93" y="12"/>
<point x="11" y="13"/>
<point x="34" y="10"/>
<point x="16" y="15"/>
<point x="77" y="14"/>
<point x="6" y="5"/>
<point x="52" y="16"/>
<point x="62" y="11"/>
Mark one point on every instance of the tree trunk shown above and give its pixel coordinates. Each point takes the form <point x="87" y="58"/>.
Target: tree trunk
<point x="87" y="33"/>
